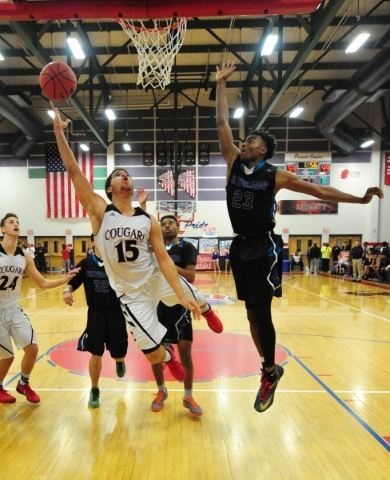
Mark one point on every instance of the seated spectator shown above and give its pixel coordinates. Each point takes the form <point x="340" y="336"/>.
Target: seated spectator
<point x="296" y="259"/>
<point x="367" y="264"/>
<point x="384" y="261"/>
<point x="338" y="269"/>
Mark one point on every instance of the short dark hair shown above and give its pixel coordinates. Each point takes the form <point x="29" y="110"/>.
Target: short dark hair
<point x="269" y="140"/>
<point x="169" y="216"/>
<point x="7" y="215"/>
<point x="108" y="181"/>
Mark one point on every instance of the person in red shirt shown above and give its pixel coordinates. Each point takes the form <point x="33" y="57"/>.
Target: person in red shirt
<point x="65" y="259"/>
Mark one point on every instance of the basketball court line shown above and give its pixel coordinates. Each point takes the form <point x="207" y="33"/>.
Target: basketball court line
<point x="341" y="402"/>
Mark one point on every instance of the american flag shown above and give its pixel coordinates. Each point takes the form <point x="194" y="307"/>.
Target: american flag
<point x="186" y="181"/>
<point x="62" y="201"/>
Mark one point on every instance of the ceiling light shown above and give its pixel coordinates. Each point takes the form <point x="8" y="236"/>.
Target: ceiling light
<point x="51" y="113"/>
<point x="297" y="111"/>
<point x="126" y="147"/>
<point x="269" y="45"/>
<point x="110" y="114"/>
<point x="238" y="113"/>
<point x="84" y="147"/>
<point x="1" y="57"/>
<point x="357" y="43"/>
<point x="76" y="48"/>
<point x="367" y="143"/>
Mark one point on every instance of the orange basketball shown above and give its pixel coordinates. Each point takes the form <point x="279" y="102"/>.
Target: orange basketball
<point x="58" y="81"/>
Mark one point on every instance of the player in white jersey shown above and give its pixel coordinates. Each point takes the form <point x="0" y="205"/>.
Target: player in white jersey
<point x="137" y="264"/>
<point x="14" y="323"/>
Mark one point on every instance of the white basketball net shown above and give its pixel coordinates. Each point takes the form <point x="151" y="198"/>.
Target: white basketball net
<point x="157" y="48"/>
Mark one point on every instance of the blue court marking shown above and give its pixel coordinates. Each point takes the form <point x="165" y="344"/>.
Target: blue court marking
<point x="17" y="375"/>
<point x="51" y="363"/>
<point x="343" y="404"/>
<point x="78" y="373"/>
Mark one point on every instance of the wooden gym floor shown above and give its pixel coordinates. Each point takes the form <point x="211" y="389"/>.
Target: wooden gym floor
<point x="330" y="418"/>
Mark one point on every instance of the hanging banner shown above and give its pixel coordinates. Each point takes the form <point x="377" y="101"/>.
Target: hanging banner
<point x="204" y="153"/>
<point x="162" y="154"/>
<point x="306" y="207"/>
<point x="189" y="154"/>
<point x="148" y="154"/>
<point x="387" y="169"/>
<point x="172" y="153"/>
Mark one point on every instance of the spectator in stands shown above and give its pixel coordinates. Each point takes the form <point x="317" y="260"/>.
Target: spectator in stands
<point x="366" y="249"/>
<point x="326" y="252"/>
<point x="338" y="269"/>
<point x="40" y="251"/>
<point x="336" y="249"/>
<point x="367" y="266"/>
<point x="296" y="259"/>
<point x="315" y="254"/>
<point x="308" y="257"/>
<point x="356" y="257"/>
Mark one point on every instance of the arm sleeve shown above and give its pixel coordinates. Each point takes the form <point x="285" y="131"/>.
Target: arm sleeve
<point x="78" y="279"/>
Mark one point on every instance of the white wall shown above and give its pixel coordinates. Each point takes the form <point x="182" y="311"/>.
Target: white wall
<point x="27" y="198"/>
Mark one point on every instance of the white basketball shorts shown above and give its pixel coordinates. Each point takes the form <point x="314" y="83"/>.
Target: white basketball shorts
<point x="141" y="312"/>
<point x="16" y="324"/>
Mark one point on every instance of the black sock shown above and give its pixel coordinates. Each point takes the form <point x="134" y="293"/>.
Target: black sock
<point x="271" y="375"/>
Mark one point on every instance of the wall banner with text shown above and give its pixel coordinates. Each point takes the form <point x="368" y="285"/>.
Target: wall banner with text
<point x="307" y="207"/>
<point x="189" y="154"/>
<point x="148" y="154"/>
<point x="162" y="154"/>
<point x="204" y="153"/>
<point x="387" y="169"/>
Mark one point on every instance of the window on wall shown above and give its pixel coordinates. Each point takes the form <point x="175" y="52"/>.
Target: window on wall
<point x="83" y="246"/>
<point x="56" y="249"/>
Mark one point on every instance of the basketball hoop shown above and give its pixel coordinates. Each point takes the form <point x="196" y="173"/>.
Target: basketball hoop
<point x="156" y="47"/>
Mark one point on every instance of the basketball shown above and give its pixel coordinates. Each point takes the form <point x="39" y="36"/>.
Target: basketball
<point x="58" y="81"/>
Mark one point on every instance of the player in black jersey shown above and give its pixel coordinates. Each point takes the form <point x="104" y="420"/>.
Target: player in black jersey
<point x="256" y="252"/>
<point x="106" y="324"/>
<point x="177" y="319"/>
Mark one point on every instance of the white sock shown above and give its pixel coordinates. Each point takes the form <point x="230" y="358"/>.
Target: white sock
<point x="168" y="356"/>
<point x="187" y="393"/>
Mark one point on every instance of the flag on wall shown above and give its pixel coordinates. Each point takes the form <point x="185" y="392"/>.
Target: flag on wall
<point x="186" y="181"/>
<point x="62" y="201"/>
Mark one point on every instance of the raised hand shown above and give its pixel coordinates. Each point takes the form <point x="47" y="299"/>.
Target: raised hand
<point x="142" y="195"/>
<point x="225" y="71"/>
<point x="57" y="121"/>
<point x="370" y="193"/>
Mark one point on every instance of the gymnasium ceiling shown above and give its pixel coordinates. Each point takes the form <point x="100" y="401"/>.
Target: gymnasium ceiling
<point x="308" y="61"/>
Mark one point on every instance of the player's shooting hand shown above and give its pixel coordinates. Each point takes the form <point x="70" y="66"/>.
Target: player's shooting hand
<point x="225" y="71"/>
<point x="370" y="193"/>
<point x="57" y="121"/>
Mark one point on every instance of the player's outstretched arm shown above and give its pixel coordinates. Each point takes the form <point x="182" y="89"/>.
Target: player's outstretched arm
<point x="43" y="282"/>
<point x="168" y="268"/>
<point x="292" y="182"/>
<point x="93" y="203"/>
<point x="228" y="149"/>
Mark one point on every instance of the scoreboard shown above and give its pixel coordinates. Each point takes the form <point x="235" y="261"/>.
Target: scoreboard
<point x="317" y="172"/>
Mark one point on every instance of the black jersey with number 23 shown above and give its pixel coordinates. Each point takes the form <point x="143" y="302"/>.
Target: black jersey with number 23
<point x="250" y="198"/>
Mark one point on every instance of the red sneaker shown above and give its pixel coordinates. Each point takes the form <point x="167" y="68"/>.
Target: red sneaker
<point x="31" y="396"/>
<point x="175" y="367"/>
<point x="213" y="321"/>
<point x="6" y="397"/>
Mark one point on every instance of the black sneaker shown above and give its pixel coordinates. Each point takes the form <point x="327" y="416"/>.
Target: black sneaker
<point x="94" y="398"/>
<point x="266" y="393"/>
<point x="120" y="368"/>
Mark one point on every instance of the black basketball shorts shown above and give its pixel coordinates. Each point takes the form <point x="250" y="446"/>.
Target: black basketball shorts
<point x="257" y="265"/>
<point x="177" y="321"/>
